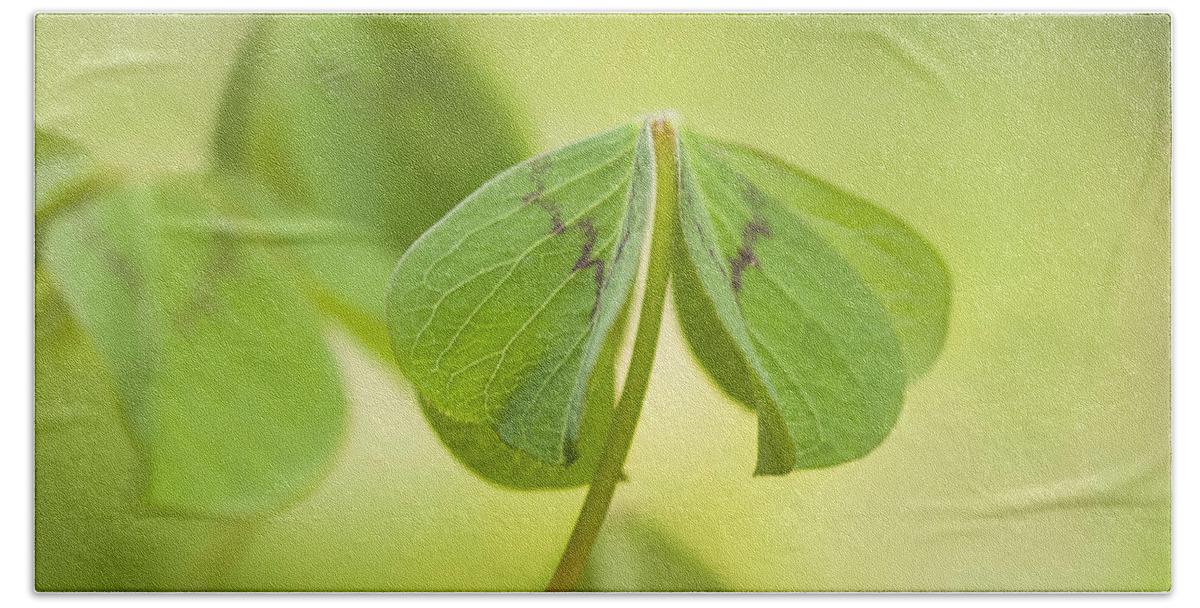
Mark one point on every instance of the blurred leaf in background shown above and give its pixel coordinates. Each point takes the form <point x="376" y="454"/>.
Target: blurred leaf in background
<point x="227" y="382"/>
<point x="188" y="284"/>
<point x="636" y="554"/>
<point x="91" y="532"/>
<point x="65" y="173"/>
<point x="377" y="122"/>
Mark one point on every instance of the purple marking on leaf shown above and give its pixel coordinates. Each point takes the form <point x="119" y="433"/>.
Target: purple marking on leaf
<point x="557" y="226"/>
<point x="745" y="254"/>
<point x="221" y="268"/>
<point x="753" y="196"/>
<point x="537" y="176"/>
<point x="587" y="261"/>
<point x="712" y="254"/>
<point x="621" y="245"/>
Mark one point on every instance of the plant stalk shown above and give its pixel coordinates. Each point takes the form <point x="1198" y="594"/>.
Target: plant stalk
<point x="629" y="407"/>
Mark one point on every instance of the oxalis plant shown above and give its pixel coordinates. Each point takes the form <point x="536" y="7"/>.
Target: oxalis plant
<point x="803" y="302"/>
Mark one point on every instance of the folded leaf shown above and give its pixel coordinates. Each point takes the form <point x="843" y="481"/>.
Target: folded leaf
<point x="809" y="305"/>
<point x="902" y="269"/>
<point x="793" y="327"/>
<point x="479" y="448"/>
<point x="221" y="365"/>
<point x="498" y="314"/>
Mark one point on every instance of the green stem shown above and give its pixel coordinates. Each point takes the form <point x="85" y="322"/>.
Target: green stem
<point x="629" y="407"/>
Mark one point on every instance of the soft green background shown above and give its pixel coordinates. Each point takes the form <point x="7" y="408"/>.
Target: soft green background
<point x="1032" y="151"/>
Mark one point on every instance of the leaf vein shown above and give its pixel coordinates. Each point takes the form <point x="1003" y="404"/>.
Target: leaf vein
<point x="514" y="262"/>
<point x="517" y="209"/>
<point x="505" y="349"/>
<point x="508" y="275"/>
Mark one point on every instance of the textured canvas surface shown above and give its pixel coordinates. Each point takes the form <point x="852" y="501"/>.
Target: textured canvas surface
<point x="961" y="380"/>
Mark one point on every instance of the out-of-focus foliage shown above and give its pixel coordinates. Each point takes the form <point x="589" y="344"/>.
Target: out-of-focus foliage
<point x="637" y="554"/>
<point x="91" y="531"/>
<point x="64" y="173"/>
<point x="201" y="295"/>
<point x="373" y="121"/>
<point x="227" y="382"/>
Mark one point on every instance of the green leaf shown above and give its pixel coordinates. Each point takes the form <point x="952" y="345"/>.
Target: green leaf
<point x="479" y="448"/>
<point x="220" y="364"/>
<point x="902" y="269"/>
<point x="818" y="329"/>
<point x="498" y="314"/>
<point x="377" y="121"/>
<point x="779" y="316"/>
<point x="92" y="533"/>
<point x="635" y="554"/>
